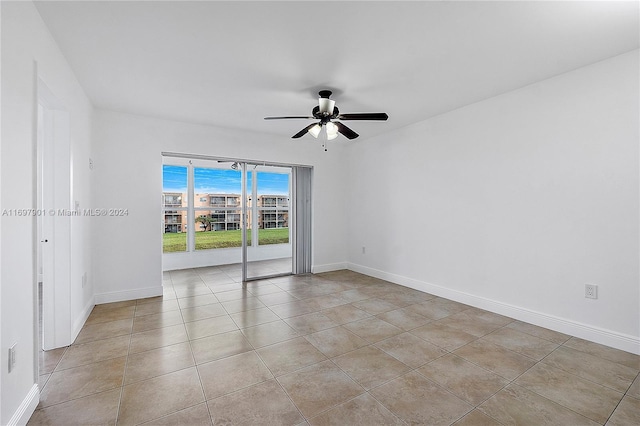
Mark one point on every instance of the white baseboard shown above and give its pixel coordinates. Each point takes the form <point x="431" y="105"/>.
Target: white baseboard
<point x="563" y="325"/>
<point x="318" y="269"/>
<point x="27" y="407"/>
<point x="119" y="296"/>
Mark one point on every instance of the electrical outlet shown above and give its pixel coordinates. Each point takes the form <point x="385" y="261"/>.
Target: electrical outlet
<point x="364" y="250"/>
<point x="84" y="279"/>
<point x="12" y="357"/>
<point x="591" y="291"/>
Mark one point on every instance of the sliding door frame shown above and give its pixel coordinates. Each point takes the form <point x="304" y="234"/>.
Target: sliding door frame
<point x="296" y="235"/>
<point x="245" y="249"/>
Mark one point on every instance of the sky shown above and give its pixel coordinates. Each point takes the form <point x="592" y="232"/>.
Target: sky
<point x="221" y="181"/>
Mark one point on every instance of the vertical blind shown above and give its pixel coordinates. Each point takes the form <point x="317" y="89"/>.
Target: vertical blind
<point x="301" y="185"/>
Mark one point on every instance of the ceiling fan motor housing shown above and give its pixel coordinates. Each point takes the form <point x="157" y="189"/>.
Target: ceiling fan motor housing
<point x="324" y="117"/>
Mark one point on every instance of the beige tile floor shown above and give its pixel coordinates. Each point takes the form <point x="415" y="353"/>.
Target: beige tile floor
<point x="336" y="348"/>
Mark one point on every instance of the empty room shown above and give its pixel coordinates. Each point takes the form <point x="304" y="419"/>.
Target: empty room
<point x="320" y="212"/>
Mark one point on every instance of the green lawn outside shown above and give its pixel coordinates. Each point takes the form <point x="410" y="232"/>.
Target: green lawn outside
<point x="175" y="242"/>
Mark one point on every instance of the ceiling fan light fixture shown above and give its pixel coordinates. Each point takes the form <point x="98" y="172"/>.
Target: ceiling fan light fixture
<point x="315" y="130"/>
<point x="326" y="105"/>
<point x="332" y="130"/>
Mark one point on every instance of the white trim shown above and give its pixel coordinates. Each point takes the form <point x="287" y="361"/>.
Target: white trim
<point x="191" y="225"/>
<point x="26" y="408"/>
<point x="79" y="322"/>
<point x="119" y="296"/>
<point x="180" y="155"/>
<point x="318" y="269"/>
<point x="244" y="217"/>
<point x="606" y="337"/>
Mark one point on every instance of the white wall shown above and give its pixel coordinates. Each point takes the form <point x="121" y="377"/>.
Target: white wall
<point x="1" y="341"/>
<point x="127" y="173"/>
<point x="27" y="46"/>
<point x="514" y="203"/>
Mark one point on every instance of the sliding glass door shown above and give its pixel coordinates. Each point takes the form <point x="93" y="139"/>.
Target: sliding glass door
<point x="268" y="250"/>
<point x="237" y="215"/>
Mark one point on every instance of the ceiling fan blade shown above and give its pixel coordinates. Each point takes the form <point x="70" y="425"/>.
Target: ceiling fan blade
<point x="287" y="118"/>
<point x="347" y="132"/>
<point x="302" y="132"/>
<point x="381" y="116"/>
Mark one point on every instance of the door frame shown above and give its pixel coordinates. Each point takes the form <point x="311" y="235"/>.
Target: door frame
<point x="255" y="214"/>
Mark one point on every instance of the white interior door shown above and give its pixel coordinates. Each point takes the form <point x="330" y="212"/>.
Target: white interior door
<point x="54" y="227"/>
<point x="46" y="258"/>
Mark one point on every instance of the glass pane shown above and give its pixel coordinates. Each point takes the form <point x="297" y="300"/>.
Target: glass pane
<point x="219" y="188"/>
<point x="217" y="229"/>
<point x="174" y="186"/>
<point x="175" y="232"/>
<point x="174" y="198"/>
<point x="215" y="183"/>
<point x="273" y="208"/>
<point x="219" y="192"/>
<point x="271" y="252"/>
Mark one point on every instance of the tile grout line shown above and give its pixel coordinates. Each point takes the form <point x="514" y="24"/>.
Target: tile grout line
<point x="542" y="396"/>
<point x="366" y="391"/>
<point x="124" y="373"/>
<point x="195" y="365"/>
<point x="443" y="387"/>
<point x="587" y="379"/>
<point x="509" y="381"/>
<point x="275" y="379"/>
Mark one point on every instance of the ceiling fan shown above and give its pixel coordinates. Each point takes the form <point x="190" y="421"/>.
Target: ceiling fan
<point x="326" y="111"/>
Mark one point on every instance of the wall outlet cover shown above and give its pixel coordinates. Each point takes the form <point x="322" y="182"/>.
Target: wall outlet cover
<point x="591" y="291"/>
<point x="12" y="357"/>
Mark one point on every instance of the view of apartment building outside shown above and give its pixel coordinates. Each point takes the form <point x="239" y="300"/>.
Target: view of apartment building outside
<point x="223" y="212"/>
<point x="174" y="219"/>
<point x="273" y="211"/>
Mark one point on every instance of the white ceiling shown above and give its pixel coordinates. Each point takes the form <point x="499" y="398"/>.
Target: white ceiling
<point x="230" y="64"/>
